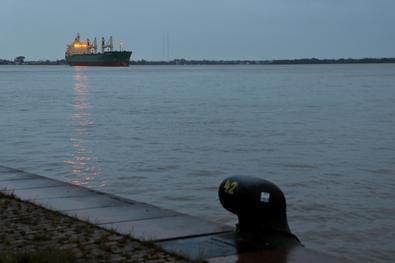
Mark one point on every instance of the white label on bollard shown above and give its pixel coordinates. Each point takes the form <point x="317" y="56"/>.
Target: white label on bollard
<point x="265" y="197"/>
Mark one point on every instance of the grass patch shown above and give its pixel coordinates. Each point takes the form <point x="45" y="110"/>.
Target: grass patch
<point x="47" y="255"/>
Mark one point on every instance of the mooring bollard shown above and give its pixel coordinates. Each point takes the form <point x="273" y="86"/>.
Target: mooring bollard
<point x="260" y="206"/>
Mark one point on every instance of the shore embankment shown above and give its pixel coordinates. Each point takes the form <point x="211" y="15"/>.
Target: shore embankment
<point x="30" y="233"/>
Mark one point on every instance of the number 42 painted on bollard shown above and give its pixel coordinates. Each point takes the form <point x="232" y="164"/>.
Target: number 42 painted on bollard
<point x="230" y="187"/>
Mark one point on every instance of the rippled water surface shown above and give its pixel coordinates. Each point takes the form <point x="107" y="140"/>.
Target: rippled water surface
<point x="169" y="135"/>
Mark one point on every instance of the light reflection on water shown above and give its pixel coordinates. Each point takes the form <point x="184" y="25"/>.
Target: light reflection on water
<point x="83" y="158"/>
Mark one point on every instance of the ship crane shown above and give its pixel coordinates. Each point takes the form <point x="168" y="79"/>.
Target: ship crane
<point x="92" y="46"/>
<point x="120" y="46"/>
<point x="105" y="45"/>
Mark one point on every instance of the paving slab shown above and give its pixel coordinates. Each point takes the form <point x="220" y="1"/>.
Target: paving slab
<point x="6" y="169"/>
<point x="52" y="192"/>
<point x="117" y="214"/>
<point x="227" y="244"/>
<point x="94" y="200"/>
<point x="28" y="184"/>
<point x="294" y="255"/>
<point x="168" y="227"/>
<point x="7" y="176"/>
<point x="197" y="248"/>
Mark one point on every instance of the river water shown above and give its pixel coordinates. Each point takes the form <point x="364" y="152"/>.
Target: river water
<point x="168" y="135"/>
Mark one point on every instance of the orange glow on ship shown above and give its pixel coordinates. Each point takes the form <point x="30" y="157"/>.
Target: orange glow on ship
<point x="76" y="45"/>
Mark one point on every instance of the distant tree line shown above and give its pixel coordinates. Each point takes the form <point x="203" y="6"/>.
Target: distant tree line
<point x="199" y="62"/>
<point x="265" y="62"/>
<point x="20" y="60"/>
<point x="333" y="61"/>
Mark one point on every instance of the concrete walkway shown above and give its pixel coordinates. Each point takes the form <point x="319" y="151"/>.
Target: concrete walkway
<point x="142" y="221"/>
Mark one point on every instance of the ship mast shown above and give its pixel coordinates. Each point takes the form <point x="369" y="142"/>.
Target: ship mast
<point x="95" y="45"/>
<point x="109" y="45"/>
<point x="120" y="46"/>
<point x="88" y="42"/>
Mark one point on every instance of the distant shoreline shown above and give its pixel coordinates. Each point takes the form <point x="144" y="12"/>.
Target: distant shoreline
<point x="302" y="61"/>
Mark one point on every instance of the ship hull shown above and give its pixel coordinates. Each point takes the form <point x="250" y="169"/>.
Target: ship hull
<point x="106" y="59"/>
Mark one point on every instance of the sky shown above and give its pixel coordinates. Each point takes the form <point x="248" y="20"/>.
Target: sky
<point x="204" y="29"/>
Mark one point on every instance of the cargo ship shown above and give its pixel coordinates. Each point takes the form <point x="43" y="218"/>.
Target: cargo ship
<point x="85" y="53"/>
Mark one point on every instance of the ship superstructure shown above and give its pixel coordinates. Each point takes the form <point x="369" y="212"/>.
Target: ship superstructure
<point x="85" y="53"/>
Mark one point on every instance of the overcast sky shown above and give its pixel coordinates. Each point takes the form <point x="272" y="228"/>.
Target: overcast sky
<point x="203" y="29"/>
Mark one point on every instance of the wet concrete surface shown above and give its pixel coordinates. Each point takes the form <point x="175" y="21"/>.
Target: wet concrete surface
<point x="6" y="176"/>
<point x="207" y="246"/>
<point x="122" y="213"/>
<point x="13" y="185"/>
<point x="79" y="202"/>
<point x="163" y="228"/>
<point x="294" y="255"/>
<point x="51" y="192"/>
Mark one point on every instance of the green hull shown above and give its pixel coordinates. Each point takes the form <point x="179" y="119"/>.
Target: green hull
<point x="106" y="59"/>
